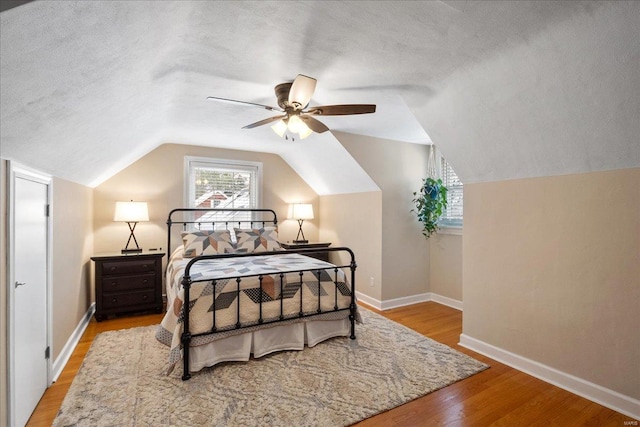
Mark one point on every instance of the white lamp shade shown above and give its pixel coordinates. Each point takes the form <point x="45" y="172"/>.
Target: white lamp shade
<point x="280" y="127"/>
<point x="305" y="131"/>
<point x="295" y="124"/>
<point x="131" y="212"/>
<point x="302" y="211"/>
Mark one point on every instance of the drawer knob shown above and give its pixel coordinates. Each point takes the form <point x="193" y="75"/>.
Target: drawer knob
<point x="114" y="300"/>
<point x="145" y="281"/>
<point x="112" y="269"/>
<point x="144" y="266"/>
<point x="144" y="297"/>
<point x="114" y="284"/>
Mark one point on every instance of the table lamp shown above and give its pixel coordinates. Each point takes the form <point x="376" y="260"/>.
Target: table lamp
<point x="300" y="212"/>
<point x="131" y="213"/>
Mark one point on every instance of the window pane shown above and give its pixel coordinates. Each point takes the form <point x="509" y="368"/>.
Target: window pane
<point x="453" y="215"/>
<point x="216" y="184"/>
<point x="222" y="189"/>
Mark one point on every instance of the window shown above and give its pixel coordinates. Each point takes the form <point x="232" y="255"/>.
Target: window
<point x="452" y="216"/>
<point x="215" y="183"/>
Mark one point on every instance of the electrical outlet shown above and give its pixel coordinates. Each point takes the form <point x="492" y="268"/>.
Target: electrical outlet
<point x="372" y="281"/>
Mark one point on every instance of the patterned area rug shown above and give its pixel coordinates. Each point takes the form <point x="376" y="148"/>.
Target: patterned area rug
<point x="122" y="381"/>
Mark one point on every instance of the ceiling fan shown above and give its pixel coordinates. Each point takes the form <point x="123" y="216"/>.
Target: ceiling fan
<point x="293" y="98"/>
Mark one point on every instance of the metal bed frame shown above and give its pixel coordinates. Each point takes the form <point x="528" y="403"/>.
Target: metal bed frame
<point x="187" y="336"/>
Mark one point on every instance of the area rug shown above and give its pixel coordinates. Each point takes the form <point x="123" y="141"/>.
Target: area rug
<point x="123" y="382"/>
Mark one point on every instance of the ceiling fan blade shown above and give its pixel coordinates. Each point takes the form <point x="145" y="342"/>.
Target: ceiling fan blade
<point x="342" y="110"/>
<point x="301" y="91"/>
<point x="315" y="125"/>
<point x="234" y="101"/>
<point x="264" y="122"/>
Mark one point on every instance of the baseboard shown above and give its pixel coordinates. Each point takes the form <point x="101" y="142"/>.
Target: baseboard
<point x="366" y="299"/>
<point x="449" y="302"/>
<point x="611" y="399"/>
<point x="414" y="299"/>
<point x="72" y="342"/>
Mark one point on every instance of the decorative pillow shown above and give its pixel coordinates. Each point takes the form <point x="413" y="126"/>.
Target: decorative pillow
<point x="207" y="242"/>
<point x="257" y="239"/>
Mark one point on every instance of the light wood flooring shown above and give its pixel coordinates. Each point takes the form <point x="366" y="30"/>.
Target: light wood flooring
<point x="500" y="395"/>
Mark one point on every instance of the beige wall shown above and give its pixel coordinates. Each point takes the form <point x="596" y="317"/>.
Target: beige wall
<point x="355" y="221"/>
<point x="158" y="178"/>
<point x="72" y="216"/>
<point x="445" y="265"/>
<point x="398" y="169"/>
<point x="552" y="273"/>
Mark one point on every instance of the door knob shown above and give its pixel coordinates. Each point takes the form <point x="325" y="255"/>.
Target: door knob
<point x="20" y="284"/>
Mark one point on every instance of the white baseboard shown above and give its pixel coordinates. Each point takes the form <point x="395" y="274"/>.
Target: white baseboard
<point x="414" y="299"/>
<point x="72" y="342"/>
<point x="449" y="302"/>
<point x="611" y="399"/>
<point x="366" y="299"/>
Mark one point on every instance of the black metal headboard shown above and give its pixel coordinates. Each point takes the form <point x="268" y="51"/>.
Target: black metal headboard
<point x="219" y="219"/>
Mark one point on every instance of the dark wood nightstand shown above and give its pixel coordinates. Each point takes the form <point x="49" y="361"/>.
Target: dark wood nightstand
<point x="324" y="256"/>
<point x="128" y="283"/>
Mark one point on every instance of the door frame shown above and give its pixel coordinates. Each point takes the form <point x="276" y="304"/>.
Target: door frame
<point x="20" y="171"/>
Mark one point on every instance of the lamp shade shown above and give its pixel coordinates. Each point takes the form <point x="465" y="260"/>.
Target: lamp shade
<point x="302" y="211"/>
<point x="131" y="212"/>
<point x="280" y="127"/>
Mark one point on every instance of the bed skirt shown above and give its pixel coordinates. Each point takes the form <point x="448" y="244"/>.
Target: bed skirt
<point x="292" y="336"/>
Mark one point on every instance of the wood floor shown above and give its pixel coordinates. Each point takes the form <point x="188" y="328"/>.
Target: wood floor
<point x="499" y="396"/>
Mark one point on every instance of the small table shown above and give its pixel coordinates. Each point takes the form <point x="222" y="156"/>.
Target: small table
<point x="324" y="256"/>
<point x="127" y="283"/>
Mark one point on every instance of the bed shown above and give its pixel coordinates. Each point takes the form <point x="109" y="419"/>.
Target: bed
<point x="248" y="297"/>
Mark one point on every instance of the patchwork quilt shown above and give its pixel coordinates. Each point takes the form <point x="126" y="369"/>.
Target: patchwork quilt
<point x="295" y="282"/>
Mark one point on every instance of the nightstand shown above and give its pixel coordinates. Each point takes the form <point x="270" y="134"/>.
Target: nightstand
<point x="324" y="256"/>
<point x="128" y="283"/>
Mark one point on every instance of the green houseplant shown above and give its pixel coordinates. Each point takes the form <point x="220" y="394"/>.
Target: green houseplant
<point x="430" y="202"/>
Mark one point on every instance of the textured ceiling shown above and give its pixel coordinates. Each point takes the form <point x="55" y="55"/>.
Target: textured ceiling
<point x="89" y="87"/>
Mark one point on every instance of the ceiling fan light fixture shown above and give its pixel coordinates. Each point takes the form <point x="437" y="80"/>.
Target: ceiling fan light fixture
<point x="295" y="124"/>
<point x="280" y="128"/>
<point x="305" y="131"/>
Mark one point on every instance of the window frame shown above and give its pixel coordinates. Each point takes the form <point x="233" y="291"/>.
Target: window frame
<point x="447" y="225"/>
<point x="191" y="162"/>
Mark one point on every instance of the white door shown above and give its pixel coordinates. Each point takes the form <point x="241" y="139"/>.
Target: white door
<point x="30" y="260"/>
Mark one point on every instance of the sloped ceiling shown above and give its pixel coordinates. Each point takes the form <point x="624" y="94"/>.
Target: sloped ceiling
<point x="88" y="87"/>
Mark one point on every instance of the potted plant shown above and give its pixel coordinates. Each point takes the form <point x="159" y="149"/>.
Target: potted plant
<point x="430" y="203"/>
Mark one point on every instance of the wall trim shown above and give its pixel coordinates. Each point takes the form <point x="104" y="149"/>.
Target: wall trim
<point x="403" y="301"/>
<point x="72" y="342"/>
<point x="611" y="399"/>
<point x="449" y="302"/>
<point x="370" y="301"/>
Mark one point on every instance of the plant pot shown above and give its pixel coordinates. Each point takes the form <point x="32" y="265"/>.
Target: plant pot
<point x="432" y="191"/>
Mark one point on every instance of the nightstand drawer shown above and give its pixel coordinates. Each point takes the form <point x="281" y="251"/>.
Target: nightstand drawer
<point x="128" y="267"/>
<point x="128" y="299"/>
<point x="124" y="283"/>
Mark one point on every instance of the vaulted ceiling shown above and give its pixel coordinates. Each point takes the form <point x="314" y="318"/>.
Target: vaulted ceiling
<point x="505" y="89"/>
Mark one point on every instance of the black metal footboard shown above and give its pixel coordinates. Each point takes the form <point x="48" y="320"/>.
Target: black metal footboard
<point x="187" y="282"/>
<point x="216" y="219"/>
